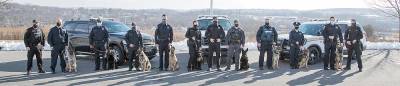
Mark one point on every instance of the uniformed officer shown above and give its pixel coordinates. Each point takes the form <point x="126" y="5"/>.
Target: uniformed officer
<point x="134" y="41"/>
<point x="296" y="41"/>
<point x="353" y="37"/>
<point x="331" y="34"/>
<point x="164" y="37"/>
<point x="194" y="43"/>
<point x="34" y="42"/>
<point x="214" y="33"/>
<point x="266" y="38"/>
<point x="58" y="41"/>
<point x="236" y="40"/>
<point x="99" y="39"/>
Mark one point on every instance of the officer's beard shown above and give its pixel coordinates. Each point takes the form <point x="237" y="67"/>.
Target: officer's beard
<point x="266" y="24"/>
<point x="236" y="25"/>
<point x="58" y="25"/>
<point x="35" y="26"/>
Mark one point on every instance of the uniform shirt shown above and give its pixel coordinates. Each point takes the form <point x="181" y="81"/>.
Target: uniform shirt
<point x="296" y="36"/>
<point x="193" y="32"/>
<point x="34" y="36"/>
<point x="164" y="34"/>
<point x="353" y="33"/>
<point x="332" y="31"/>
<point x="134" y="37"/>
<point x="261" y="30"/>
<point x="98" y="34"/>
<point x="215" y="31"/>
<point x="239" y="32"/>
<point x="57" y="36"/>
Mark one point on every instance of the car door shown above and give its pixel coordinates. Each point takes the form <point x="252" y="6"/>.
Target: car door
<point x="81" y="35"/>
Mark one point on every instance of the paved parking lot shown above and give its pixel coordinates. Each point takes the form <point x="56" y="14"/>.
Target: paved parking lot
<point x="382" y="68"/>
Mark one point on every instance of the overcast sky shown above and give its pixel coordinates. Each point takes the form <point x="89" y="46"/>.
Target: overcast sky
<point x="201" y="4"/>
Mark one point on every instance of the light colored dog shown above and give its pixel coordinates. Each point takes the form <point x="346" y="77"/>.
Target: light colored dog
<point x="144" y="61"/>
<point x="70" y="60"/>
<point x="276" y="54"/>
<point x="303" y="60"/>
<point x="173" y="61"/>
<point x="339" y="57"/>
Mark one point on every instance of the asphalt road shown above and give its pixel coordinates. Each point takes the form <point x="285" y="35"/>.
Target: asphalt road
<point x="381" y="68"/>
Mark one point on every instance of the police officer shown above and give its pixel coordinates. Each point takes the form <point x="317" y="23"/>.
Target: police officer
<point x="236" y="40"/>
<point x="164" y="37"/>
<point x="353" y="37"/>
<point x="134" y="41"/>
<point x="331" y="34"/>
<point x="34" y="42"/>
<point x="58" y="41"/>
<point x="98" y="39"/>
<point x="214" y="33"/>
<point x="296" y="41"/>
<point x="266" y="39"/>
<point x="194" y="42"/>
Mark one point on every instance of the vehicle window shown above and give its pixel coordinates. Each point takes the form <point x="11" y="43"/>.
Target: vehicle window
<point x="343" y="27"/>
<point x="311" y="29"/>
<point x="113" y="27"/>
<point x="204" y="23"/>
<point x="82" y="28"/>
<point x="70" y="26"/>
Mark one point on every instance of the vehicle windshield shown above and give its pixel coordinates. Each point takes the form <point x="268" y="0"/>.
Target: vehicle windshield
<point x="311" y="29"/>
<point x="114" y="27"/>
<point x="204" y="23"/>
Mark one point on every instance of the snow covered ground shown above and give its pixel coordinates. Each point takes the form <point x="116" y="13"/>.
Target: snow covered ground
<point x="18" y="45"/>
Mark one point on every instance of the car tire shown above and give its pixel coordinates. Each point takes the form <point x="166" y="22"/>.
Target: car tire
<point x="314" y="54"/>
<point x="116" y="53"/>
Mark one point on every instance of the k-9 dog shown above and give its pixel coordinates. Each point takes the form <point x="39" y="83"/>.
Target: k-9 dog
<point x="173" y="61"/>
<point x="303" y="60"/>
<point x="144" y="62"/>
<point x="244" y="60"/>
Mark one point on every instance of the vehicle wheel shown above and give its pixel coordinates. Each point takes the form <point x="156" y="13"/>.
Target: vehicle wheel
<point x="116" y="53"/>
<point x="314" y="54"/>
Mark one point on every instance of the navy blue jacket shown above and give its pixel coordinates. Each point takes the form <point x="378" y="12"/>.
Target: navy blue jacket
<point x="57" y="36"/>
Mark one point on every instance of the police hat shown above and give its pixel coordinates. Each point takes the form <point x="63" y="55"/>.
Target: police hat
<point x="296" y="23"/>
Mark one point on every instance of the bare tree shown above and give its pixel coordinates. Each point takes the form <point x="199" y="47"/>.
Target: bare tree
<point x="389" y="7"/>
<point x="3" y="3"/>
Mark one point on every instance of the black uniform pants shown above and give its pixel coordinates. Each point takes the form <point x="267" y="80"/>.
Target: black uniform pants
<point x="34" y="52"/>
<point x="294" y="56"/>
<point x="100" y="54"/>
<point x="330" y="55"/>
<point x="133" y="55"/>
<point x="357" y="49"/>
<point x="265" y="48"/>
<point x="192" y="56"/>
<point x="57" y="52"/>
<point x="214" y="48"/>
<point x="164" y="49"/>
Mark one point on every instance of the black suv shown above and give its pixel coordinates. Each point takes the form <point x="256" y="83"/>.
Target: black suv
<point x="78" y="32"/>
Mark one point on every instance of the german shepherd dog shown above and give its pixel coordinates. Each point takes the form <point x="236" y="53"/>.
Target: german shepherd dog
<point x="70" y="60"/>
<point x="244" y="60"/>
<point x="144" y="62"/>
<point x="276" y="54"/>
<point x="173" y="61"/>
<point x="303" y="60"/>
<point x="339" y="57"/>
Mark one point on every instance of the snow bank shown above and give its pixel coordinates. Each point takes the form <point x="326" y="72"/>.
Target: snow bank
<point x="18" y="45"/>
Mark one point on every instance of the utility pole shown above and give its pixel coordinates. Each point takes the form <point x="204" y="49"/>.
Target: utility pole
<point x="211" y="7"/>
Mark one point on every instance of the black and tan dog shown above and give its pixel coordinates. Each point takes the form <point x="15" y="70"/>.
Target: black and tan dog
<point x="276" y="54"/>
<point x="244" y="60"/>
<point x="303" y="60"/>
<point x="144" y="62"/>
<point x="339" y="57"/>
<point x="173" y="61"/>
<point x="70" y="60"/>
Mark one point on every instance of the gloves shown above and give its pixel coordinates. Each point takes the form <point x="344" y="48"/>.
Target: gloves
<point x="348" y="43"/>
